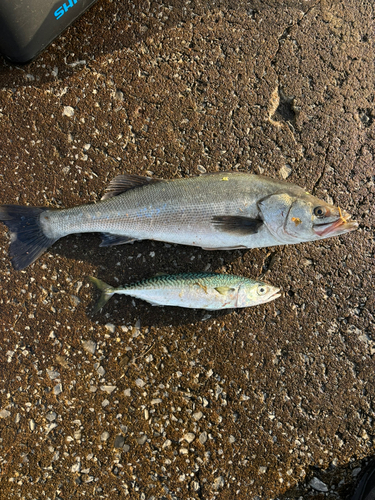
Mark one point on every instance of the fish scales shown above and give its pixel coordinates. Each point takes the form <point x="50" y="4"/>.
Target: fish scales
<point x="216" y="211"/>
<point x="194" y="290"/>
<point x="178" y="211"/>
<point x="189" y="279"/>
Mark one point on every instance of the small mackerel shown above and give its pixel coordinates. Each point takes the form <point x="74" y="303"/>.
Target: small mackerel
<point x="194" y="290"/>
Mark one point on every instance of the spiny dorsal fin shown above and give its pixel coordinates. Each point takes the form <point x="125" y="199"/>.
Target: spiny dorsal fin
<point x="237" y="224"/>
<point x="124" y="182"/>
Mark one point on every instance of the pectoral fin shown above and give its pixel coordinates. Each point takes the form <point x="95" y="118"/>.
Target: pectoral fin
<point x="224" y="289"/>
<point x="110" y="240"/>
<point x="237" y="224"/>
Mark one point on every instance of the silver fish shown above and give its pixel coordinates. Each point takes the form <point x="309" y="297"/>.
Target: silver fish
<point x="194" y="290"/>
<point x="219" y="211"/>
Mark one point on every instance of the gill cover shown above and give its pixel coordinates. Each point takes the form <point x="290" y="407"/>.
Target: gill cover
<point x="242" y="299"/>
<point x="299" y="222"/>
<point x="275" y="209"/>
<point x="288" y="219"/>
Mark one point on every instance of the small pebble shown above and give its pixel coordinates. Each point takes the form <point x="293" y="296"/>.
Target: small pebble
<point x="108" y="388"/>
<point x="104" y="436"/>
<point x="140" y="383"/>
<point x="285" y="171"/>
<point x="57" y="389"/>
<point x="76" y="467"/>
<point x="318" y="485"/>
<point x="110" y="327"/>
<point x="189" y="437"/>
<point x="68" y="111"/>
<point x="51" y="416"/>
<point x="195" y="485"/>
<point x="4" y="413"/>
<point x="50" y="427"/>
<point x="203" y="437"/>
<point x="52" y="374"/>
<point x="142" y="439"/>
<point x="119" y="442"/>
<point x="218" y="483"/>
<point x="100" y="371"/>
<point x="74" y="300"/>
<point x="89" y="346"/>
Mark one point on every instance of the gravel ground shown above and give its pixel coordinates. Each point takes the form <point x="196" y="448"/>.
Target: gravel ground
<point x="272" y="402"/>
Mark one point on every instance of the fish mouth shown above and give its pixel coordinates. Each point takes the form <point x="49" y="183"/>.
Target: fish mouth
<point x="339" y="226"/>
<point x="275" y="295"/>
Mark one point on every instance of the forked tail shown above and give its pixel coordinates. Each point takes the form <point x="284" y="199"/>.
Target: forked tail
<point x="107" y="292"/>
<point x="27" y="239"/>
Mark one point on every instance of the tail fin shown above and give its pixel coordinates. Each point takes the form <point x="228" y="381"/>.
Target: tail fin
<point x="27" y="239"/>
<point x="107" y="290"/>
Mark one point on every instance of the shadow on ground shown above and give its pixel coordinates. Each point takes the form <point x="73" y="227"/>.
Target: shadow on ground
<point x="332" y="483"/>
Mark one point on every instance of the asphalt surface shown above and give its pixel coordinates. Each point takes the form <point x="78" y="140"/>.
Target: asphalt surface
<point x="148" y="403"/>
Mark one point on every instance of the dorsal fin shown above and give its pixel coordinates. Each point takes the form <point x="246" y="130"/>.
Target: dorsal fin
<point x="124" y="182"/>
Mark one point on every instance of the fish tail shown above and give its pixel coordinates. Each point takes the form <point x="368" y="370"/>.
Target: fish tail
<point x="27" y="238"/>
<point x="107" y="292"/>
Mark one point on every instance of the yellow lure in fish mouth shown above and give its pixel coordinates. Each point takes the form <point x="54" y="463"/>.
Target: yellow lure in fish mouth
<point x="341" y="216"/>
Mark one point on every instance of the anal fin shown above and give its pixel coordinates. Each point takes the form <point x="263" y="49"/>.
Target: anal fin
<point x="110" y="240"/>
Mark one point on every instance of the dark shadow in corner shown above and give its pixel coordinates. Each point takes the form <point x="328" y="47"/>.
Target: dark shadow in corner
<point x="107" y="27"/>
<point x="337" y="482"/>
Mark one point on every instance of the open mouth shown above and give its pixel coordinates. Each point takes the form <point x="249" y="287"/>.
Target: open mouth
<point x="339" y="226"/>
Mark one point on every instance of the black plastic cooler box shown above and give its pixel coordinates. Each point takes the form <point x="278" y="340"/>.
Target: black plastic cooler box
<point x="28" y="26"/>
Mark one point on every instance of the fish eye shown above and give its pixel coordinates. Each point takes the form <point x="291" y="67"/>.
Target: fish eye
<point x="321" y="211"/>
<point x="262" y="289"/>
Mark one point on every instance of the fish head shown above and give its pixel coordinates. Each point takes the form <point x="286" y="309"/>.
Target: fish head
<point x="257" y="293"/>
<point x="303" y="217"/>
